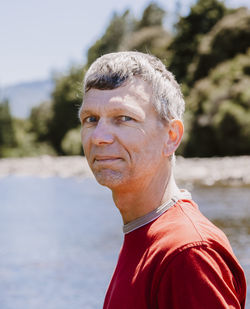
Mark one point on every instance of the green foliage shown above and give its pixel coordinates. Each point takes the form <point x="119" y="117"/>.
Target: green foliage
<point x="113" y="36"/>
<point x="152" y="16"/>
<point x="230" y="36"/>
<point x="124" y="33"/>
<point x="71" y="143"/>
<point x="66" y="100"/>
<point x="153" y="40"/>
<point x="40" y="118"/>
<point x="232" y="127"/>
<point x="220" y="108"/>
<point x="7" y="135"/>
<point x="189" y="30"/>
<point x="16" y="138"/>
<point x="149" y="36"/>
<point x="26" y="144"/>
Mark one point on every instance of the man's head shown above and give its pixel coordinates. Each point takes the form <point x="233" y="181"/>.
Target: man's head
<point x="130" y="119"/>
<point x="114" y="70"/>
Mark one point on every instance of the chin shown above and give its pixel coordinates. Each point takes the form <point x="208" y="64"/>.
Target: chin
<point x="109" y="178"/>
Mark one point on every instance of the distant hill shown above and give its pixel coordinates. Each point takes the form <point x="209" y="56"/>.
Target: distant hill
<point x="22" y="97"/>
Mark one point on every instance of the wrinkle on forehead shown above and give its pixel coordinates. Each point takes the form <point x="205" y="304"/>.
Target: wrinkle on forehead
<point x="136" y="87"/>
<point x="136" y="91"/>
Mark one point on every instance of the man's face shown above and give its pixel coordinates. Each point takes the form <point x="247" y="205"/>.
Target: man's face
<point x="122" y="135"/>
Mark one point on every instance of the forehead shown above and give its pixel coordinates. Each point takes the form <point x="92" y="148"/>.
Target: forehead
<point x="134" y="93"/>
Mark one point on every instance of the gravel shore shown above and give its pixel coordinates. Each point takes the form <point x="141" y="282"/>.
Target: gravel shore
<point x="228" y="171"/>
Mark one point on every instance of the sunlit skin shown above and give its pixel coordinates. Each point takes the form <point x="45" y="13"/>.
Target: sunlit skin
<point x="128" y="146"/>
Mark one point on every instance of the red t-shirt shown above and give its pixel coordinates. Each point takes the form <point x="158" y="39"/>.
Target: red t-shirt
<point x="179" y="260"/>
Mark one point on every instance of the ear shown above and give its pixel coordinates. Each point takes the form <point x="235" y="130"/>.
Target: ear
<point x="174" y="135"/>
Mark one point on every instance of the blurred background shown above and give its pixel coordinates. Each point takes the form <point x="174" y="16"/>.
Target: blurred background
<point x="46" y="48"/>
<point x="55" y="250"/>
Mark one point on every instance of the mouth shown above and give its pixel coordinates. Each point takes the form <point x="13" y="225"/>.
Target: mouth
<point x="106" y="159"/>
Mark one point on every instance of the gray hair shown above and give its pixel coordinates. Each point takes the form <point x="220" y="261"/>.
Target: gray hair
<point x="115" y="69"/>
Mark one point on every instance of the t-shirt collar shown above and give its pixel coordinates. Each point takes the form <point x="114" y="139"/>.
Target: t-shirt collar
<point x="139" y="222"/>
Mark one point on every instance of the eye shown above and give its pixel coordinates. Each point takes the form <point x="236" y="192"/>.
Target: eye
<point x="125" y="118"/>
<point x="91" y="119"/>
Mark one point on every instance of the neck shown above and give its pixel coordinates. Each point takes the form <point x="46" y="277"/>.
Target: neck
<point x="145" y="197"/>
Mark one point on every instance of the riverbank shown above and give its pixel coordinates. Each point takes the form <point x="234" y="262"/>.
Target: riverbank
<point x="226" y="171"/>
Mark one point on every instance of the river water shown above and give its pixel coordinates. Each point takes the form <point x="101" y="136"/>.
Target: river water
<point x="60" y="238"/>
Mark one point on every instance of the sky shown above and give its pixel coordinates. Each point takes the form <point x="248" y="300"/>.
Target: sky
<point x="39" y="38"/>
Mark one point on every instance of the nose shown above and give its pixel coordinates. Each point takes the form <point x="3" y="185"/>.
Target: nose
<point x="102" y="133"/>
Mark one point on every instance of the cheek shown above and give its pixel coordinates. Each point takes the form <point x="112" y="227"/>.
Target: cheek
<point x="142" y="145"/>
<point x="151" y="146"/>
<point x="133" y="140"/>
<point x="85" y="138"/>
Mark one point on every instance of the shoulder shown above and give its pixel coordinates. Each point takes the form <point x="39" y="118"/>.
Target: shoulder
<point x="184" y="226"/>
<point x="196" y="256"/>
<point x="204" y="278"/>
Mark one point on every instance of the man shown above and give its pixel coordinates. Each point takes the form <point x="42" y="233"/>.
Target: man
<point x="172" y="256"/>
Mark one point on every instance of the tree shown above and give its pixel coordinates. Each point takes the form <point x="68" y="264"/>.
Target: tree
<point x="40" y="118"/>
<point x="220" y="108"/>
<point x="7" y="135"/>
<point x="113" y="36"/>
<point x="66" y="100"/>
<point x="189" y="31"/>
<point x="152" y="16"/>
<point x="230" y="36"/>
<point x="71" y="143"/>
<point x="153" y="40"/>
<point x="149" y="35"/>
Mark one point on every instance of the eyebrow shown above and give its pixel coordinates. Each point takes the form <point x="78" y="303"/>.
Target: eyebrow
<point x="82" y="113"/>
<point x="113" y="111"/>
<point x="130" y="111"/>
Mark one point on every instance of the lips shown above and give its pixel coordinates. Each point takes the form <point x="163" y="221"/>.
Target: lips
<point x="106" y="158"/>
